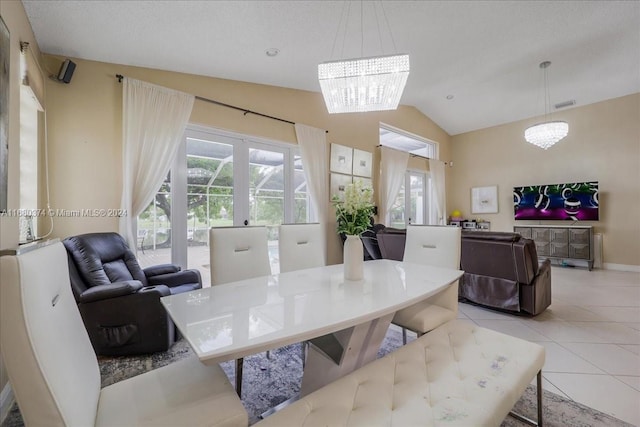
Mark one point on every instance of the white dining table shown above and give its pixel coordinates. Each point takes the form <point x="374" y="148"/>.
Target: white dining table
<point x="346" y="321"/>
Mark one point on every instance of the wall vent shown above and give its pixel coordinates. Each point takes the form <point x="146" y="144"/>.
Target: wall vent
<point x="565" y="104"/>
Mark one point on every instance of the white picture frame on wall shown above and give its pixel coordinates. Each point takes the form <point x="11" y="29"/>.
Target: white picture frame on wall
<point x="341" y="159"/>
<point x="484" y="199"/>
<point x="339" y="183"/>
<point x="362" y="163"/>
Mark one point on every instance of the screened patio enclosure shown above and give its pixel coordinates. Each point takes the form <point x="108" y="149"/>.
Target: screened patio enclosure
<point x="228" y="182"/>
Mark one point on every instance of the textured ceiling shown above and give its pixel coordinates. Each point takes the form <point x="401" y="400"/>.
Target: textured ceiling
<point x="485" y="54"/>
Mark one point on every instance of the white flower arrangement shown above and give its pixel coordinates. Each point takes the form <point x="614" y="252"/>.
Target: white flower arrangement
<point x="354" y="213"/>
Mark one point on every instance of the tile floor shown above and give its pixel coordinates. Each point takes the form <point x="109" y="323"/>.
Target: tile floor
<point x="591" y="333"/>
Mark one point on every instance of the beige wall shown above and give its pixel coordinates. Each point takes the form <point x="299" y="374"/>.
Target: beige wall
<point x="603" y="144"/>
<point x="84" y="120"/>
<point x="19" y="27"/>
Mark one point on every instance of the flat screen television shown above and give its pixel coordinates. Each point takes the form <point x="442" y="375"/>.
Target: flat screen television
<point x="576" y="201"/>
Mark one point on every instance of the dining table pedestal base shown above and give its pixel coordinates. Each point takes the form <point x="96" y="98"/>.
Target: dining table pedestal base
<point x="332" y="356"/>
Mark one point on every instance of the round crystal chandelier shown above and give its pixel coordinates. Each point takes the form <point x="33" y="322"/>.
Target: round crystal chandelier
<point x="546" y="134"/>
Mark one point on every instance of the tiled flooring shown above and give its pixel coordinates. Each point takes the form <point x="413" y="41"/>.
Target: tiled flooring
<point x="591" y="333"/>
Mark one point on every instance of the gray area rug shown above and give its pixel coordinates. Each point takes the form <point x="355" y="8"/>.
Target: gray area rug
<point x="268" y="382"/>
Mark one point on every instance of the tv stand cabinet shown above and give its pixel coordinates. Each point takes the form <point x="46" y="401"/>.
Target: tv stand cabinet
<point x="561" y="241"/>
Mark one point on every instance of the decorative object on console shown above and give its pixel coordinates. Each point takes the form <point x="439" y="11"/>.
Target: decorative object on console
<point x="547" y="133"/>
<point x="456" y="216"/>
<point x="469" y="224"/>
<point x="363" y="84"/>
<point x="353" y="215"/>
<point x="572" y="201"/>
<point x="484" y="199"/>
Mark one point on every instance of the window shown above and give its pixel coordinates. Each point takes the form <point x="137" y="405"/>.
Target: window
<point x="222" y="179"/>
<point x="29" y="108"/>
<point x="413" y="203"/>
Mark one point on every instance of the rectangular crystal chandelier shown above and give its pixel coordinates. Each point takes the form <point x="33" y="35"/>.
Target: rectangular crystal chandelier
<point x="363" y="84"/>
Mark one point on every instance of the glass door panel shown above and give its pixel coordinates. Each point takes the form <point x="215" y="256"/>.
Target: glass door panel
<point x="416" y="200"/>
<point x="218" y="180"/>
<point x="302" y="210"/>
<point x="266" y="195"/>
<point x="398" y="209"/>
<point x="154" y="228"/>
<point x="210" y="170"/>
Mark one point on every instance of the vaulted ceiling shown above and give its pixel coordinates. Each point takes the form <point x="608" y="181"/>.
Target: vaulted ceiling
<point x="482" y="55"/>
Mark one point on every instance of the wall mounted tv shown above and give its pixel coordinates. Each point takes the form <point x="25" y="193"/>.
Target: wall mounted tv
<point x="575" y="202"/>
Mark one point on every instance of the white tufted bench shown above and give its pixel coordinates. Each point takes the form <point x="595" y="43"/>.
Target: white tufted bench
<point x="459" y="374"/>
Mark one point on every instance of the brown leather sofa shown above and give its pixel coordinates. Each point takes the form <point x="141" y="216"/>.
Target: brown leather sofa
<point x="501" y="269"/>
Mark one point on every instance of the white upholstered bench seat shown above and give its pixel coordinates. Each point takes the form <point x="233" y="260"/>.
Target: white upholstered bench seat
<point x="459" y="374"/>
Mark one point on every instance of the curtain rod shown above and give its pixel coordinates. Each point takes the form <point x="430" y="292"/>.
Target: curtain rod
<point x="222" y="104"/>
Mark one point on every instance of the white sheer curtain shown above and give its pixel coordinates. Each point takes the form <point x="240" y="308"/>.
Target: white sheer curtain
<point x="393" y="165"/>
<point x="313" y="150"/>
<point x="153" y="120"/>
<point x="436" y="168"/>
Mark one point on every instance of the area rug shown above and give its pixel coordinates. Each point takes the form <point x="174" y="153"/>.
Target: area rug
<point x="270" y="381"/>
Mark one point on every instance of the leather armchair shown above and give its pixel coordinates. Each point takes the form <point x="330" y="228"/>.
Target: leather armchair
<point x="119" y="302"/>
<point x="502" y="271"/>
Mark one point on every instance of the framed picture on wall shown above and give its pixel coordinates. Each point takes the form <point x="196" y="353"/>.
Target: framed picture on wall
<point x="362" y="163"/>
<point x="339" y="183"/>
<point x="484" y="199"/>
<point x="341" y="159"/>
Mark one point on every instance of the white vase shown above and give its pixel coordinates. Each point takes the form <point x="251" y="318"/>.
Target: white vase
<point x="353" y="258"/>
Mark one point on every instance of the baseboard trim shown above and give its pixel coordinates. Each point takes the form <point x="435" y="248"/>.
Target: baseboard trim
<point x="622" y="267"/>
<point x="6" y="402"/>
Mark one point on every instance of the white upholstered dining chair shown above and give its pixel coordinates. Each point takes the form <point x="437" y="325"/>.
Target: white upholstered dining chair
<point x="54" y="372"/>
<point x="438" y="246"/>
<point x="301" y="246"/>
<point x="238" y="253"/>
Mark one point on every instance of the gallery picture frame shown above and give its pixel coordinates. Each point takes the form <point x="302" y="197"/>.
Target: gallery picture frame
<point x="341" y="159"/>
<point x="338" y="184"/>
<point x="362" y="163"/>
<point x="484" y="199"/>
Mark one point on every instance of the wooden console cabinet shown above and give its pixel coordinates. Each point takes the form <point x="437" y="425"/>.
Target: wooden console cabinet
<point x="561" y="241"/>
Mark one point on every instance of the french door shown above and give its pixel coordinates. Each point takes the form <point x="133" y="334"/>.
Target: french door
<point x="413" y="202"/>
<point x="222" y="179"/>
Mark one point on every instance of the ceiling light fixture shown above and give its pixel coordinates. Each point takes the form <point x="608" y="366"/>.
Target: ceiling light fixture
<point x="364" y="84"/>
<point x="546" y="134"/>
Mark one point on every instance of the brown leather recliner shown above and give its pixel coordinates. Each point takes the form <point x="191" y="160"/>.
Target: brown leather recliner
<point x="502" y="271"/>
<point x="391" y="243"/>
